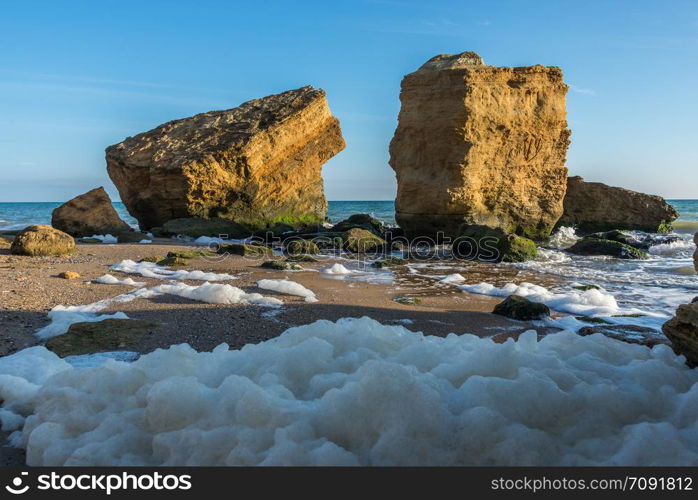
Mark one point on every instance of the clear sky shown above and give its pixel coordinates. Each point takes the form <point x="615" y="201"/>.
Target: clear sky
<point x="76" y="77"/>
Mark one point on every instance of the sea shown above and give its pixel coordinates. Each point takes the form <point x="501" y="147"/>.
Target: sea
<point x="638" y="292"/>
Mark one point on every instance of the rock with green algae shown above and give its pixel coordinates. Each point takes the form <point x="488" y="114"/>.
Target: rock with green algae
<point x="43" y="241"/>
<point x="360" y="221"/>
<point x="280" y="265"/>
<point x="246" y="250"/>
<point x="362" y="241"/>
<point x="100" y="336"/>
<point x="596" y="246"/>
<point x="493" y="245"/>
<point x="521" y="308"/>
<point x="388" y="262"/>
<point x="302" y="247"/>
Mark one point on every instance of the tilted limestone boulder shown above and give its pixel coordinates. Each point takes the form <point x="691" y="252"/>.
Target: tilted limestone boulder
<point x="256" y="164"/>
<point x="682" y="331"/>
<point x="42" y="241"/>
<point x="88" y="214"/>
<point x="592" y="207"/>
<point x="480" y="145"/>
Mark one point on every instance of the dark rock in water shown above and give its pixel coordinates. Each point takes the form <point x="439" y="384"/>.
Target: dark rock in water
<point x="595" y="246"/>
<point x="682" y="331"/>
<point x="88" y="214"/>
<point x="521" y="308"/>
<point x="362" y="241"/>
<point x="388" y="262"/>
<point x="493" y="245"/>
<point x="100" y="336"/>
<point x="197" y="226"/>
<point x="643" y="242"/>
<point x="632" y="334"/>
<point x="246" y="250"/>
<point x="302" y="247"/>
<point x="257" y="164"/>
<point x="360" y="221"/>
<point x="593" y="207"/>
<point x="43" y="241"/>
<point x="280" y="265"/>
<point x="584" y="288"/>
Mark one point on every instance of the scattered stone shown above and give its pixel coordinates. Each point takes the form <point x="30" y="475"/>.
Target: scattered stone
<point x="257" y="164"/>
<point x="69" y="275"/>
<point x="246" y="250"/>
<point x="682" y="331"/>
<point x="173" y="261"/>
<point x="43" y="241"/>
<point x="362" y="241"/>
<point x="88" y="214"/>
<point x="101" y="336"/>
<point x="190" y="254"/>
<point x="632" y="334"/>
<point x="595" y="207"/>
<point x="595" y="246"/>
<point x="480" y="145"/>
<point x="280" y="265"/>
<point x="521" y="308"/>
<point x="301" y="247"/>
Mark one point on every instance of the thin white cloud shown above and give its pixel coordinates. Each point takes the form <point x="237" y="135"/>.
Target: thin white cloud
<point x="583" y="91"/>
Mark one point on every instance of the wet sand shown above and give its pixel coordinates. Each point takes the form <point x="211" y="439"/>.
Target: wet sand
<point x="30" y="287"/>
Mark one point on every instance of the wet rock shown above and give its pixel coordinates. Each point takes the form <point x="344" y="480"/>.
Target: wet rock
<point x="682" y="331"/>
<point x="360" y="221"/>
<point x="246" y="250"/>
<point x="280" y="265"/>
<point x="101" y="336"/>
<point x="493" y="245"/>
<point x="521" y="308"/>
<point x="632" y="334"/>
<point x="362" y="241"/>
<point x="302" y="247"/>
<point x="596" y="246"/>
<point x="43" y="241"/>
<point x="88" y="214"/>
<point x="131" y="237"/>
<point x="595" y="207"/>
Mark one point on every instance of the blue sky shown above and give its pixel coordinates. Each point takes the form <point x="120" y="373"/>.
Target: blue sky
<point x="76" y="77"/>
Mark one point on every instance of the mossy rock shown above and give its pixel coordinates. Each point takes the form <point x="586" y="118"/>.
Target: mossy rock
<point x="595" y="246"/>
<point x="190" y="254"/>
<point x="592" y="319"/>
<point x="620" y="237"/>
<point x="197" y="226"/>
<point x="280" y="265"/>
<point x="131" y="237"/>
<point x="155" y="258"/>
<point x="388" y="262"/>
<point x="173" y="262"/>
<point x="584" y="288"/>
<point x="246" y="250"/>
<point x="302" y="247"/>
<point x="327" y="240"/>
<point x="407" y="300"/>
<point x="100" y="336"/>
<point x="493" y="245"/>
<point x="301" y="258"/>
<point x="90" y="241"/>
<point x="521" y="308"/>
<point x="362" y="241"/>
<point x="360" y="221"/>
<point x="43" y="241"/>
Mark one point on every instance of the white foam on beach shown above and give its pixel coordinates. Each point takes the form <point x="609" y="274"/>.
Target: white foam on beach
<point x="107" y="239"/>
<point x="336" y="269"/>
<point x="85" y="361"/>
<point x="356" y="392"/>
<point x="588" y="302"/>
<point x="452" y="279"/>
<point x="216" y="293"/>
<point x="152" y="270"/>
<point x="108" y="279"/>
<point x="145" y="242"/>
<point x="63" y="316"/>
<point x="288" y="287"/>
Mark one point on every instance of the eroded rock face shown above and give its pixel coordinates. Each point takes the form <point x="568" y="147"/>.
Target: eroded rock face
<point x="593" y="207"/>
<point x="88" y="214"/>
<point x="255" y="164"/>
<point x="480" y="145"/>
<point x="682" y="331"/>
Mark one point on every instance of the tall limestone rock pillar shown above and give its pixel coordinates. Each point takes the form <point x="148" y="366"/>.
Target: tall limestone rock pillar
<point x="480" y="145"/>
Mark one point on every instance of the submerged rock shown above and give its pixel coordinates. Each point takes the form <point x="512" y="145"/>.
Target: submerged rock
<point x="362" y="241"/>
<point x="101" y="336"/>
<point x="632" y="334"/>
<point x="493" y="245"/>
<point x="88" y="214"/>
<point x="597" y="246"/>
<point x="43" y="241"/>
<point x="521" y="308"/>
<point x="682" y="331"/>
<point x="480" y="145"/>
<point x="594" y="207"/>
<point x="257" y="164"/>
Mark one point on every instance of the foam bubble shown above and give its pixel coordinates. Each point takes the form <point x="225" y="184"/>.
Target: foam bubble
<point x="288" y="287"/>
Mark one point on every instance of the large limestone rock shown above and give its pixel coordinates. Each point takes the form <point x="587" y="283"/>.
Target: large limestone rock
<point x="42" y="241"/>
<point x="682" y="331"/>
<point x="593" y="207"/>
<point x="258" y="163"/>
<point x="480" y="145"/>
<point x="88" y="214"/>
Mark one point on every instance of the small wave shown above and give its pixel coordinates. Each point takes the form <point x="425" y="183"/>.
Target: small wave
<point x="563" y="238"/>
<point x="681" y="248"/>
